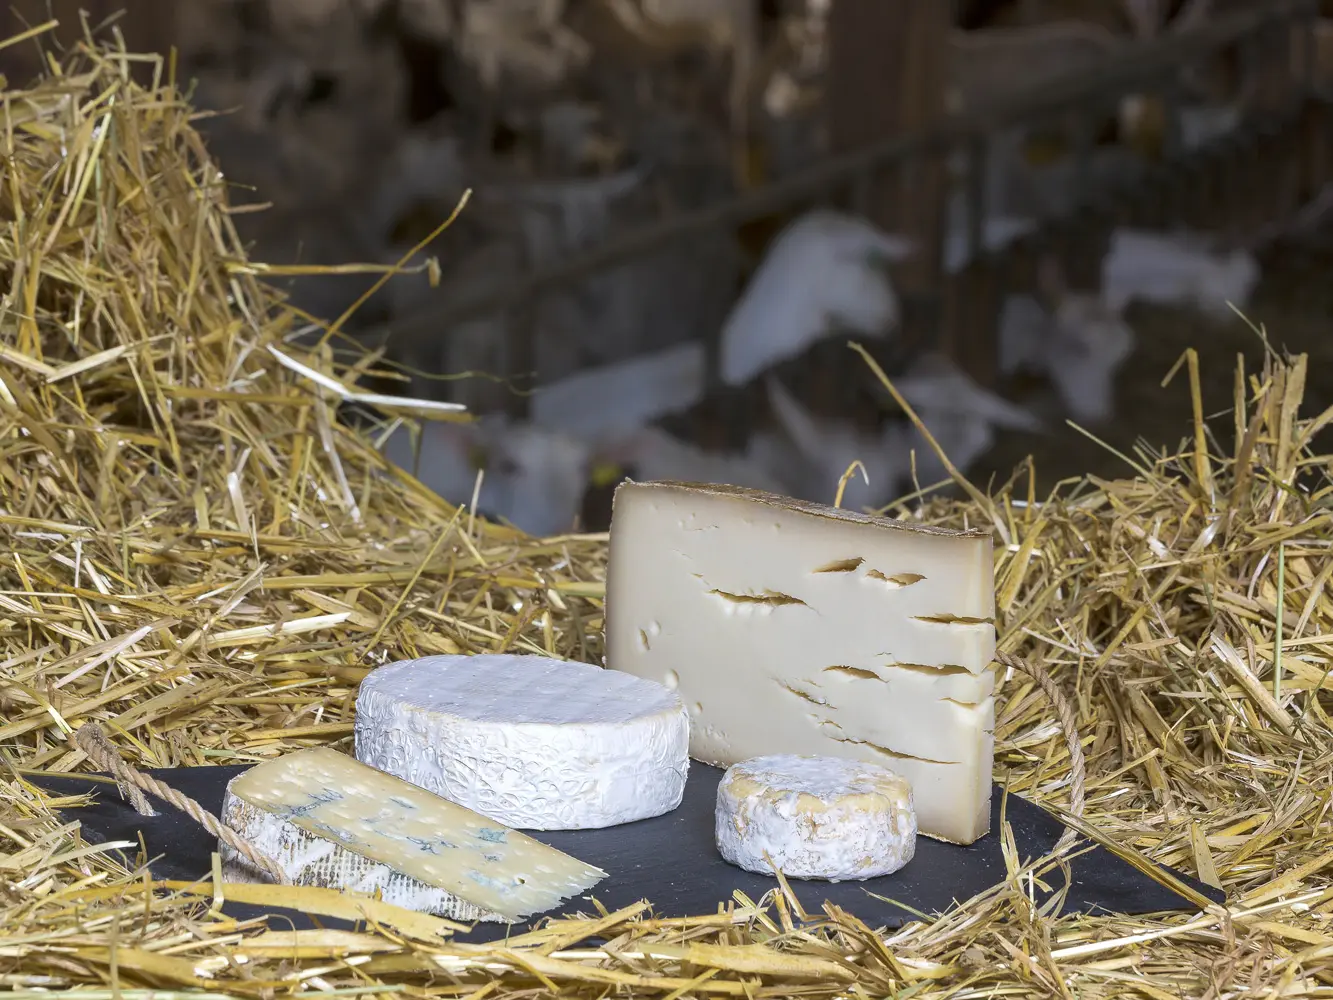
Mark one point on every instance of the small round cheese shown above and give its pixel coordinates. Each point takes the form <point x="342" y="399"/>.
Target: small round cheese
<point x="815" y="817"/>
<point x="530" y="742"/>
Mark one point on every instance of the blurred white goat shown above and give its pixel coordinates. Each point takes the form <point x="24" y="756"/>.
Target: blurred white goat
<point x="650" y="453"/>
<point x="998" y="232"/>
<point x="616" y="314"/>
<point x="1076" y="340"/>
<point x="825" y="449"/>
<point x="612" y="399"/>
<point x="805" y="457"/>
<point x="960" y="415"/>
<point x="534" y="478"/>
<point x="1176" y="269"/>
<point x="825" y="274"/>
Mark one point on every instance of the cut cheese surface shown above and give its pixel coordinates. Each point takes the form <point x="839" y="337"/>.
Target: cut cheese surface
<point x="413" y="832"/>
<point x="815" y="817"/>
<point x="793" y="628"/>
<point x="528" y="741"/>
<point x="310" y="859"/>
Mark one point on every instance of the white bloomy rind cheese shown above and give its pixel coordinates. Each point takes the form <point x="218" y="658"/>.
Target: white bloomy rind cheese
<point x="815" y="817"/>
<point x="421" y="851"/>
<point x="531" y="742"/>
<point x="791" y="627"/>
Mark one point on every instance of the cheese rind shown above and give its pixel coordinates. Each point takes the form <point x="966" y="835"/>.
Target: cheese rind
<point x="309" y="859"/>
<point x="789" y="627"/>
<point x="531" y="742"/>
<point x="815" y="817"/>
<point x="413" y="832"/>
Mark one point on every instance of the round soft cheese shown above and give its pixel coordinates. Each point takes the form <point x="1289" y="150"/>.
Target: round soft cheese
<point x="815" y="817"/>
<point x="308" y="859"/>
<point x="530" y="742"/>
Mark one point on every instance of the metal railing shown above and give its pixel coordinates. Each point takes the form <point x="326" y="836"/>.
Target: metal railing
<point x="1153" y="67"/>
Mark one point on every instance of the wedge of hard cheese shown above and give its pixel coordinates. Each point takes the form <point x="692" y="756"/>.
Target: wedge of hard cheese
<point x="794" y="628"/>
<point x="327" y="819"/>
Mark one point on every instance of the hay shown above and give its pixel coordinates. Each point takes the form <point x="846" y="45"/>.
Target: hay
<point x="197" y="556"/>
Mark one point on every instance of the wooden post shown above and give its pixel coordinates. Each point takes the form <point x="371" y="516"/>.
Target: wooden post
<point x="888" y="71"/>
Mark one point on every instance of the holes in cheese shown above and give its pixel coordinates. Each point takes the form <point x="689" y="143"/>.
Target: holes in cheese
<point x="860" y="672"/>
<point x="896" y="757"/>
<point x="812" y="699"/>
<point x="896" y="580"/>
<point x="842" y="566"/>
<point x="921" y="668"/>
<point x="768" y="597"/>
<point x="892" y="580"/>
<point x="947" y="619"/>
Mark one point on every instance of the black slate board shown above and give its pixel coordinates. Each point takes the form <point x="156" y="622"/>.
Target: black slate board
<point x="671" y="860"/>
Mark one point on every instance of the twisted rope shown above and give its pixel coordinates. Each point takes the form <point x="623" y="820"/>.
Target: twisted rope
<point x="1064" y="713"/>
<point x="93" y="741"/>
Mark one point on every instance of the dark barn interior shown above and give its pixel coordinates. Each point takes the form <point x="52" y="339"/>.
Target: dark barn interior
<point x="359" y="124"/>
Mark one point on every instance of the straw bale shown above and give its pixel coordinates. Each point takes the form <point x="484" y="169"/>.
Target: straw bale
<point x="199" y="557"/>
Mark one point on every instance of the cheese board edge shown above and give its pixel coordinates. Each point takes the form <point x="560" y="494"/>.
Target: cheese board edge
<point x="671" y="860"/>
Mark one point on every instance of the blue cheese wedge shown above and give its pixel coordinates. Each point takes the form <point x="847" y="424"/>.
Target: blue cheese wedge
<point x="309" y="859"/>
<point x="795" y="628"/>
<point x="532" y="742"/>
<point x="329" y="820"/>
